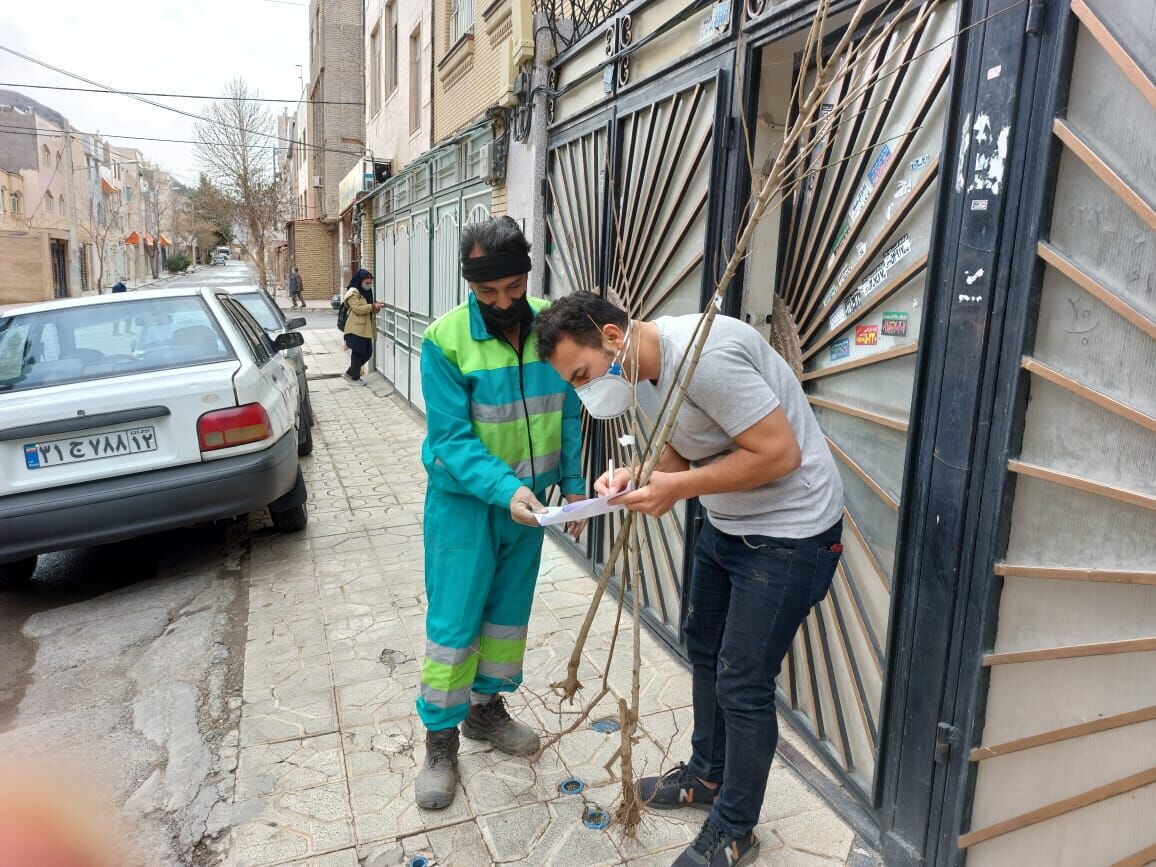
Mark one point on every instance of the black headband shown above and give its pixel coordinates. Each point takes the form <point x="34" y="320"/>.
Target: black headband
<point x="495" y="266"/>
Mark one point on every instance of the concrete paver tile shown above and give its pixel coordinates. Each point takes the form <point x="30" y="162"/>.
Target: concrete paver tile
<point x="289" y="765"/>
<point x="819" y="832"/>
<point x="550" y="833"/>
<point x="368" y="668"/>
<point x="379" y="749"/>
<point x="659" y="831"/>
<point x="460" y="845"/>
<point x="269" y="650"/>
<point x="785" y="856"/>
<point x="787" y="795"/>
<point x="291" y="825"/>
<point x="285" y="678"/>
<point x="382" y="628"/>
<point x="495" y="782"/>
<point x="376" y="701"/>
<point x="384" y="808"/>
<point x="289" y="714"/>
<point x="343" y="858"/>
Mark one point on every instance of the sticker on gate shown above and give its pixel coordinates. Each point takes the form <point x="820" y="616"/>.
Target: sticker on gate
<point x="894" y="325"/>
<point x="841" y="349"/>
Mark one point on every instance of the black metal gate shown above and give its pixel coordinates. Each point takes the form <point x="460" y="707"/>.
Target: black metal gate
<point x="59" y="253"/>
<point x="630" y="200"/>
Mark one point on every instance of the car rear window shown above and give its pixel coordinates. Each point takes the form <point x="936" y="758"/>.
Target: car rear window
<point x="259" y="309"/>
<point x="95" y="341"/>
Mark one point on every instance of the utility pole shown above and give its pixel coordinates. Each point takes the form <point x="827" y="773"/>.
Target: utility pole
<point x="74" y="281"/>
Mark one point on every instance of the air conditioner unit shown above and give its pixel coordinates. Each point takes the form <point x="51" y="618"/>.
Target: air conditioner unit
<point x="317" y="180"/>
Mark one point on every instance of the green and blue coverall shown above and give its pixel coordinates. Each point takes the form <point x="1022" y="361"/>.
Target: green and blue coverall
<point x="496" y="419"/>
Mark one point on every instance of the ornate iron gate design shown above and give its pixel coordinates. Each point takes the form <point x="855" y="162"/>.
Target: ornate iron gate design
<point x="854" y="247"/>
<point x="629" y="217"/>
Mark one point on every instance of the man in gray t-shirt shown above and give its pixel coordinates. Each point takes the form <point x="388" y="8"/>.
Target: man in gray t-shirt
<point x="745" y="443"/>
<point x="739" y="381"/>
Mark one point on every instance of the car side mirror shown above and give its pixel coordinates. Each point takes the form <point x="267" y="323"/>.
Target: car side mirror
<point x="288" y="340"/>
<point x="296" y="322"/>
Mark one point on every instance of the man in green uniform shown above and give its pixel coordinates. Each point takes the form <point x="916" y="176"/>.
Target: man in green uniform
<point x="502" y="427"/>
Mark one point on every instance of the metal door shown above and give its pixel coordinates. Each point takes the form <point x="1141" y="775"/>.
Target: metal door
<point x="1063" y="758"/>
<point x="854" y="247"/>
<point x="59" y="253"/>
<point x="629" y="202"/>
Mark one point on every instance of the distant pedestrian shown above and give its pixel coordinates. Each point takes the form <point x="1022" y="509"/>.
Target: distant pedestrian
<point x="294" y="286"/>
<point x="126" y="321"/>
<point x="359" y="322"/>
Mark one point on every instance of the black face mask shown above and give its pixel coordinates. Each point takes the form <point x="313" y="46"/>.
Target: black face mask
<point x="498" y="321"/>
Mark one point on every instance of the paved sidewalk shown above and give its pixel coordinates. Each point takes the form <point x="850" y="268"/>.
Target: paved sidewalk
<point x="324" y="349"/>
<point x="329" y="739"/>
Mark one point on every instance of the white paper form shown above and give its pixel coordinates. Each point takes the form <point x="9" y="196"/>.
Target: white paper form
<point x="579" y="511"/>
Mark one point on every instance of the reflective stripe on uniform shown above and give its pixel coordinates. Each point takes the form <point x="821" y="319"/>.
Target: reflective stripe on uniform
<point x="444" y="699"/>
<point x="448" y="669"/>
<point x="499" y="413"/>
<point x="494" y="630"/>
<point x="503" y="671"/>
<point x="448" y="655"/>
<point x="501" y="649"/>
<point x="541" y="465"/>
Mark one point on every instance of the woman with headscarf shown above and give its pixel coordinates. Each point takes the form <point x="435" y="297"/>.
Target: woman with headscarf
<point x="359" y="322"/>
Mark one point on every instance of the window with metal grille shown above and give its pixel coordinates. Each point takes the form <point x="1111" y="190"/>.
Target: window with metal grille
<point x="84" y="267"/>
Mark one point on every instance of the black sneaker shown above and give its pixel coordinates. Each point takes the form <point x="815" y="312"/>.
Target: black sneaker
<point x="678" y="787"/>
<point x="713" y="848"/>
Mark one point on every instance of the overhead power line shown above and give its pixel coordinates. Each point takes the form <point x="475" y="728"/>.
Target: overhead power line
<point x="179" y="111"/>
<point x="173" y="95"/>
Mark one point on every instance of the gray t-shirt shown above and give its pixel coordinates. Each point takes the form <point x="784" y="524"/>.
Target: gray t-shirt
<point x="739" y="380"/>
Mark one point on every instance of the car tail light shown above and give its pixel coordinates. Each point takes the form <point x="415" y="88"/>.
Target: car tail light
<point x="225" y="428"/>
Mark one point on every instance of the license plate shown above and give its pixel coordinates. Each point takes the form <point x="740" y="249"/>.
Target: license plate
<point x="75" y="450"/>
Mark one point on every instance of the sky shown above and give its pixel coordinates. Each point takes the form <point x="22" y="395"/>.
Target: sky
<point x="163" y="46"/>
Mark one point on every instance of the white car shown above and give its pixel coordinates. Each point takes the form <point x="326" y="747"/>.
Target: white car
<point x="128" y="414"/>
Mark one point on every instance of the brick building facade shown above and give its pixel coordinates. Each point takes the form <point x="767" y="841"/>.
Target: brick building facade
<point x="311" y="250"/>
<point x="329" y="139"/>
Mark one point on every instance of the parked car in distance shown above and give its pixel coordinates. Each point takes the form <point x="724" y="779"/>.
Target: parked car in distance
<point x="107" y="434"/>
<point x="218" y="259"/>
<point x="270" y="317"/>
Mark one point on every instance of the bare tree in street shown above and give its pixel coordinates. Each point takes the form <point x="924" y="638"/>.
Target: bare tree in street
<point x="235" y="147"/>
<point x="102" y="224"/>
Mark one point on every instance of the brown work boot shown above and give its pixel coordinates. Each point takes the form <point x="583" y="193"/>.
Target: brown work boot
<point x="492" y="722"/>
<point x="437" y="782"/>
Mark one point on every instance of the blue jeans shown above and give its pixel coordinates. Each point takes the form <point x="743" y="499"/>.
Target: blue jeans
<point x="748" y="595"/>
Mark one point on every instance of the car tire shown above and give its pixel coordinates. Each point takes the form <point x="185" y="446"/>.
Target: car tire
<point x="17" y="573"/>
<point x="290" y="520"/>
<point x="309" y="410"/>
<point x="304" y="432"/>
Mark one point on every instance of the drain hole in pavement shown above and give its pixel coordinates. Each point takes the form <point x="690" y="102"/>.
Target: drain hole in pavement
<point x="605" y="726"/>
<point x="421" y="861"/>
<point x="594" y="817"/>
<point x="571" y="786"/>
